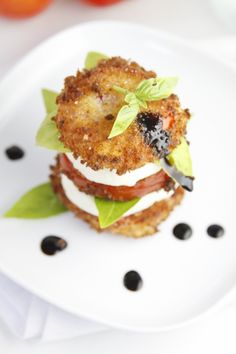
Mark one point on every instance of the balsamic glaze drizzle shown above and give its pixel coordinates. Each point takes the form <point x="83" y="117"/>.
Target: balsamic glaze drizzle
<point x="185" y="181"/>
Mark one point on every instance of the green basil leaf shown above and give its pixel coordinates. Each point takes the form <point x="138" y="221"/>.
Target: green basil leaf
<point x="180" y="158"/>
<point x="39" y="202"/>
<point x="156" y="88"/>
<point x="144" y="88"/>
<point x="125" y="117"/>
<point x="147" y="90"/>
<point x="93" y="58"/>
<point x="120" y="89"/>
<point x="142" y="103"/>
<point x="48" y="135"/>
<point x="131" y="99"/>
<point x="49" y="98"/>
<point x="110" y="211"/>
<point x="167" y="86"/>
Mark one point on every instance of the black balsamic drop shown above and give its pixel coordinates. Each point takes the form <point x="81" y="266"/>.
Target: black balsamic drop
<point x="14" y="152"/>
<point x="133" y="281"/>
<point x="182" y="231"/>
<point x="215" y="231"/>
<point x="53" y="244"/>
<point x="150" y="126"/>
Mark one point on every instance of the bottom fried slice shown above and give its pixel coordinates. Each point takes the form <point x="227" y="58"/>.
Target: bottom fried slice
<point x="136" y="225"/>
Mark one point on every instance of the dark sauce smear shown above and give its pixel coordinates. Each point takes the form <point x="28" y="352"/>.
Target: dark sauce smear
<point x="14" y="152"/>
<point x="215" y="231"/>
<point x="185" y="181"/>
<point x="150" y="126"/>
<point x="182" y="231"/>
<point x="132" y="281"/>
<point x="53" y="244"/>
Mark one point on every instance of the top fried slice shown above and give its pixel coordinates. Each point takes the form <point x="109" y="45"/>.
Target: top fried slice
<point x="88" y="106"/>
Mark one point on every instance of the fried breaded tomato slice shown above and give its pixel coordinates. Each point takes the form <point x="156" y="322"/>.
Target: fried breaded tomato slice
<point x="122" y="193"/>
<point x="88" y="106"/>
<point x="136" y="225"/>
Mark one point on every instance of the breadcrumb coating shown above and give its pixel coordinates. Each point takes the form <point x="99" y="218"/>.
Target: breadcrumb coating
<point x="136" y="225"/>
<point x="88" y="106"/>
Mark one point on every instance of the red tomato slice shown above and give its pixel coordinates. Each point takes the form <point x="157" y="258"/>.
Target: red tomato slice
<point x="122" y="193"/>
<point x="22" y="8"/>
<point x="102" y="2"/>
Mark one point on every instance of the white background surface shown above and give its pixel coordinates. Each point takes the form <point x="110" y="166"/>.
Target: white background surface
<point x="192" y="19"/>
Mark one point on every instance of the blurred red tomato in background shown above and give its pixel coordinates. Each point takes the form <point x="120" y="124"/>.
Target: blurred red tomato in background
<point x="102" y="2"/>
<point x="22" y="8"/>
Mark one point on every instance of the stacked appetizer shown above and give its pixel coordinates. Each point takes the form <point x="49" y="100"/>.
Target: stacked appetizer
<point x="123" y="161"/>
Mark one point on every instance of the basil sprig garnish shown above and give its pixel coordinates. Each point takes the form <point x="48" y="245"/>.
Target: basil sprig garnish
<point x="178" y="165"/>
<point x="92" y="59"/>
<point x="148" y="90"/>
<point x="109" y="211"/>
<point x="48" y="135"/>
<point x="39" y="202"/>
<point x="180" y="158"/>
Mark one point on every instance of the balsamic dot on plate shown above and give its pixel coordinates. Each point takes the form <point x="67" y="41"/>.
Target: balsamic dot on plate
<point x="215" y="231"/>
<point x="133" y="281"/>
<point x="53" y="244"/>
<point x="14" y="152"/>
<point x="182" y="231"/>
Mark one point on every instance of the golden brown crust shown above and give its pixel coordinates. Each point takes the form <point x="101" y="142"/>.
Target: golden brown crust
<point x="137" y="225"/>
<point x="87" y="105"/>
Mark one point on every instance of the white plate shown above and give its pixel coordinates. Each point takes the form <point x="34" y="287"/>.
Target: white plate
<point x="181" y="279"/>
